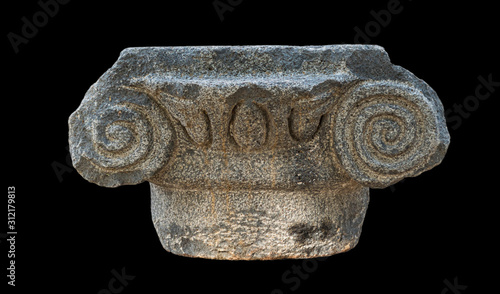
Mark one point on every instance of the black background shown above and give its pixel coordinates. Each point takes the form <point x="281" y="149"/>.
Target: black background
<point x="439" y="226"/>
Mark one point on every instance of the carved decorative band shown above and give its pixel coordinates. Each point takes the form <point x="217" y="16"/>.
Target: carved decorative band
<point x="381" y="123"/>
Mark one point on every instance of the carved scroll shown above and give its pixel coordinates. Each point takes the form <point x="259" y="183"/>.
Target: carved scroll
<point x="386" y="131"/>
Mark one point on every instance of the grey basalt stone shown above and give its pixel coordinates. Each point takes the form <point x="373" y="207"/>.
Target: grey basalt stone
<point x="257" y="152"/>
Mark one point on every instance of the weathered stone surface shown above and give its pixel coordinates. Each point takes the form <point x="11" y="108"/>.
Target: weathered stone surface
<point x="257" y="152"/>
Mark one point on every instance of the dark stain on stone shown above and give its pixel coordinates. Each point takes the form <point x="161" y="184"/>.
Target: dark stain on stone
<point x="191" y="246"/>
<point x="301" y="231"/>
<point x="304" y="232"/>
<point x="177" y="231"/>
<point x="185" y="242"/>
<point x="326" y="230"/>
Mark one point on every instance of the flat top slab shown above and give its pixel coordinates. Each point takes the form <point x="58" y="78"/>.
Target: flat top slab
<point x="256" y="63"/>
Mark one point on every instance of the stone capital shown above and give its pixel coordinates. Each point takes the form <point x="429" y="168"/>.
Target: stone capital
<point x="257" y="152"/>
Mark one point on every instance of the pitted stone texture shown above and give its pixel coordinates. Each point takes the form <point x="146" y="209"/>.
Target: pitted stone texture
<point x="257" y="128"/>
<point x="258" y="224"/>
